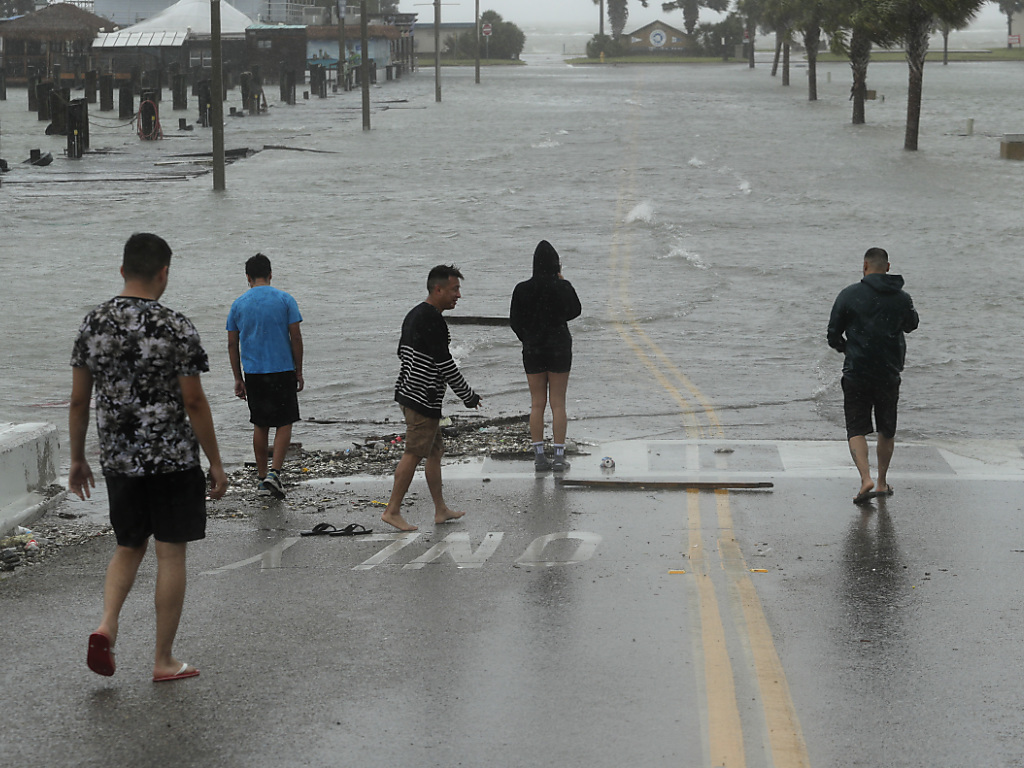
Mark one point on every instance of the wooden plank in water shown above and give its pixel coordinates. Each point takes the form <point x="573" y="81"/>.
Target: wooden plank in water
<point x="700" y="485"/>
<point x="475" y="320"/>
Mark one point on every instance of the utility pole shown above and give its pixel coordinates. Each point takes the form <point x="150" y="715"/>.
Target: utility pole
<point x="341" y="44"/>
<point x="364" y="77"/>
<point x="437" y="50"/>
<point x="217" y="98"/>
<point x="600" y="30"/>
<point x="477" y="17"/>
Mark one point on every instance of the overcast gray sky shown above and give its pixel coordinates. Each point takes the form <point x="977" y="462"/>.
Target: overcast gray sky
<point x="579" y="15"/>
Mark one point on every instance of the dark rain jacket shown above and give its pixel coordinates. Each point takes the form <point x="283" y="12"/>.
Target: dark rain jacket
<point x="543" y="305"/>
<point x="868" y="323"/>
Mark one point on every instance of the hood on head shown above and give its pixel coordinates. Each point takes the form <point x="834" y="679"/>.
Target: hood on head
<point x="884" y="283"/>
<point x="545" y="259"/>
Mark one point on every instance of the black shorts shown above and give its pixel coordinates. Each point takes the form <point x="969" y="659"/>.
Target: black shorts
<point x="273" y="398"/>
<point x="549" y="360"/>
<point x="169" y="507"/>
<point x="860" y="399"/>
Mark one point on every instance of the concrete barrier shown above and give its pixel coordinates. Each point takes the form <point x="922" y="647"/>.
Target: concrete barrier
<point x="1012" y="147"/>
<point x="29" y="457"/>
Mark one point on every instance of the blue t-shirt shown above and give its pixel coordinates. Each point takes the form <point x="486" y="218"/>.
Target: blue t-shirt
<point x="261" y="316"/>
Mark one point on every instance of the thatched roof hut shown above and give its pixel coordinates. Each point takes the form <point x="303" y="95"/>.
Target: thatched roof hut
<point x="59" y="34"/>
<point x="56" y="23"/>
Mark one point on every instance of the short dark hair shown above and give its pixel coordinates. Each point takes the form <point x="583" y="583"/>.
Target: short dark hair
<point x="877" y="257"/>
<point x="145" y="254"/>
<point x="441" y="274"/>
<point x="258" y="266"/>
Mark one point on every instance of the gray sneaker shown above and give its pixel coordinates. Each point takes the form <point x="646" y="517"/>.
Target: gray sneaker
<point x="541" y="463"/>
<point x="273" y="484"/>
<point x="559" y="464"/>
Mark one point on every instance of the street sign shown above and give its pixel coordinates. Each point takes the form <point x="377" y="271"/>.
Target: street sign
<point x="486" y="30"/>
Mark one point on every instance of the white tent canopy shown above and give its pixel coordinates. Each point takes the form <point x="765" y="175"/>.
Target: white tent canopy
<point x="172" y="26"/>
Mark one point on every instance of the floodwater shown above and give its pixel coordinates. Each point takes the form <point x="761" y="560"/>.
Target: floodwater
<point x="706" y="215"/>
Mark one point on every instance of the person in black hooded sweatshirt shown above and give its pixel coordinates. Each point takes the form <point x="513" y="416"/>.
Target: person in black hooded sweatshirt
<point x="868" y="323"/>
<point x="541" y="309"/>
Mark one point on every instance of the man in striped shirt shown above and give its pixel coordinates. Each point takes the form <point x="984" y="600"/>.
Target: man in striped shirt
<point x="427" y="371"/>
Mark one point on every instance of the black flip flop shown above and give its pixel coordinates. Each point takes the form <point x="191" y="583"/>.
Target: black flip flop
<point x="320" y="529"/>
<point x="352" y="529"/>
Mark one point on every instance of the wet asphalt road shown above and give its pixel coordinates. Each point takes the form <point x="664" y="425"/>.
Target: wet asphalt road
<point x="559" y="626"/>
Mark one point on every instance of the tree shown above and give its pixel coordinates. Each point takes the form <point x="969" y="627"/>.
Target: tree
<point x="912" y="21"/>
<point x="721" y="39"/>
<point x="780" y="17"/>
<point x="752" y="11"/>
<point x="618" y="14"/>
<point x="860" y="29"/>
<point x="691" y="10"/>
<point x="1010" y="7"/>
<point x="506" y="42"/>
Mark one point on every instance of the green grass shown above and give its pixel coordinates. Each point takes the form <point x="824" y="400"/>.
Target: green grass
<point x="934" y="56"/>
<point x="428" y="61"/>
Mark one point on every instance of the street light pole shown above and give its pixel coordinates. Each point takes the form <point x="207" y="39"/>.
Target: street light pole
<point x="477" y="18"/>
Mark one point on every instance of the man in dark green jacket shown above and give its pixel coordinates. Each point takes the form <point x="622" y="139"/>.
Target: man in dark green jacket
<point x="868" y="323"/>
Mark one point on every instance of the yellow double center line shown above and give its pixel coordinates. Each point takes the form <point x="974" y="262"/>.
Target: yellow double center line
<point x="724" y="738"/>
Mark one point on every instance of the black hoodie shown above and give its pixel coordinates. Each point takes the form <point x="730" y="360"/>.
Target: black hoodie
<point x="868" y="323"/>
<point x="543" y="305"/>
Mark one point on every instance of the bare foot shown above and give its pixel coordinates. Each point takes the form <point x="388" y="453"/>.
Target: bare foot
<point x="397" y="521"/>
<point x="447" y="515"/>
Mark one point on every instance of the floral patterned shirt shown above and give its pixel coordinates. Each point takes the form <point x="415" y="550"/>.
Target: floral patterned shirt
<point x="135" y="350"/>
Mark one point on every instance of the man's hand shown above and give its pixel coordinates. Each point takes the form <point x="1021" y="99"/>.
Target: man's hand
<point x="240" y="389"/>
<point x="300" y="382"/>
<point x="218" y="481"/>
<point x="80" y="479"/>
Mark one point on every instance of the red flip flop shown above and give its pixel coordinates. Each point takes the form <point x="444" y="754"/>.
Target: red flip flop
<point x="181" y="674"/>
<point x="101" y="654"/>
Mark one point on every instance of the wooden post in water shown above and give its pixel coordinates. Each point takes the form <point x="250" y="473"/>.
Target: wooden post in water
<point x="91" y="78"/>
<point x="43" y="100"/>
<point x="33" y="82"/>
<point x="59" y="100"/>
<point x="364" y="64"/>
<point x="179" y="91"/>
<point x="217" y="103"/>
<point x="78" y="128"/>
<point x="126" y="102"/>
<point x="107" y="92"/>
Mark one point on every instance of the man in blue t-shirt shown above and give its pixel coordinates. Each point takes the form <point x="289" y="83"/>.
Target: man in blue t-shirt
<point x="265" y="341"/>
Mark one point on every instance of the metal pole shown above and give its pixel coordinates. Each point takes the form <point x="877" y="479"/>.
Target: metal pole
<point x="437" y="50"/>
<point x="601" y="28"/>
<point x="365" y="64"/>
<point x="477" y="17"/>
<point x="217" y="98"/>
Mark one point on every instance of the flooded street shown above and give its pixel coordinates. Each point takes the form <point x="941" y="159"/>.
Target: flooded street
<point x="707" y="218"/>
<point x="704" y="207"/>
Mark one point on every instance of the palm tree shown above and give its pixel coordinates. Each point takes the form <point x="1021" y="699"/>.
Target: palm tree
<point x="1009" y="8"/>
<point x="618" y="14"/>
<point x="859" y="29"/>
<point x="691" y="10"/>
<point x="912" y="21"/>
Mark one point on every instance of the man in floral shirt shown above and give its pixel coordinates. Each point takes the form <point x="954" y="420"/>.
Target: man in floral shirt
<point x="142" y="361"/>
